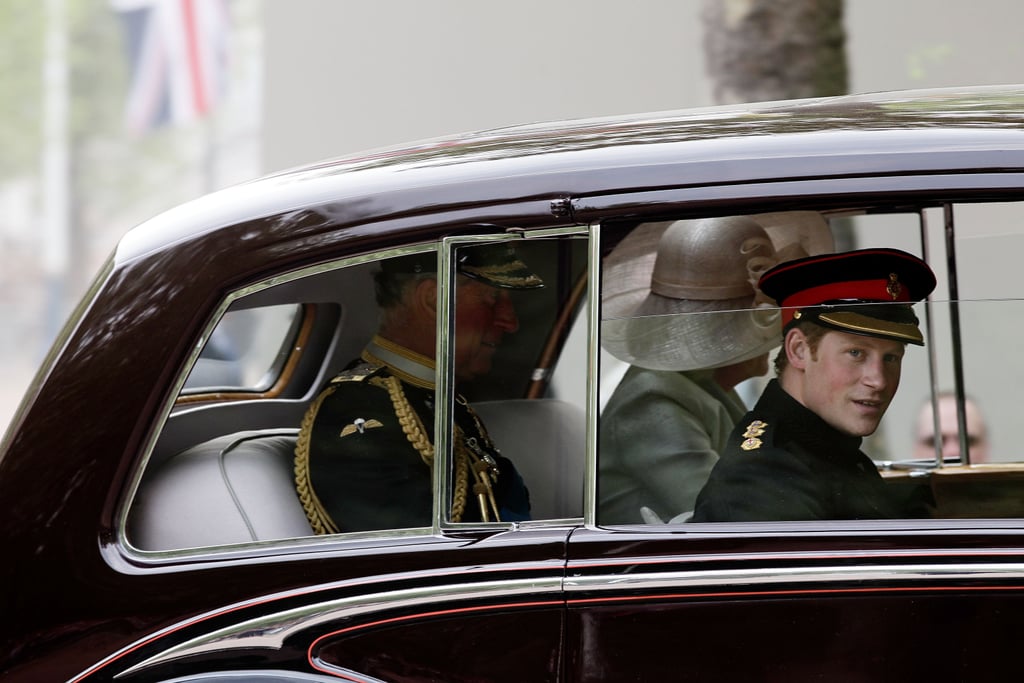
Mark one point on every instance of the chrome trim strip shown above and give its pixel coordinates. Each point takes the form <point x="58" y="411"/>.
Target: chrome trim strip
<point x="746" y="578"/>
<point x="862" y="557"/>
<point x="444" y="382"/>
<point x="539" y="233"/>
<point x="933" y="362"/>
<point x="593" y="375"/>
<point x="955" y="328"/>
<point x="270" y="631"/>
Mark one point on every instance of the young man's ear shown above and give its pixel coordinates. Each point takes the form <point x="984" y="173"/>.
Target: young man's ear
<point x="798" y="350"/>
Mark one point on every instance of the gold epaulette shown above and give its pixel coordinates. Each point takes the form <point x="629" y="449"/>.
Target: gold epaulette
<point x="357" y="373"/>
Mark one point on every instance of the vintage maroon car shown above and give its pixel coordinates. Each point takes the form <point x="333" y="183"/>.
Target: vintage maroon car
<point x="153" y="530"/>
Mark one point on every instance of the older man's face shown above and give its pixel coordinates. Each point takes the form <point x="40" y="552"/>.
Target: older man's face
<point x="483" y="316"/>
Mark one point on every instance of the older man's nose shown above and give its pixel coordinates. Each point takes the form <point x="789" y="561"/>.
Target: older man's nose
<point x="505" y="314"/>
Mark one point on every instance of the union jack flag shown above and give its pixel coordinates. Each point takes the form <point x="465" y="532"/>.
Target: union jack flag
<point x="177" y="50"/>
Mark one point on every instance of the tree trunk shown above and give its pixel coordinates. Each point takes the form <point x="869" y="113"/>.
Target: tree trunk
<point x="760" y="50"/>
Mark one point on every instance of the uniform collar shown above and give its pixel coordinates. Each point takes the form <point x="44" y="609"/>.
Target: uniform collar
<point x="802" y="423"/>
<point x="405" y="364"/>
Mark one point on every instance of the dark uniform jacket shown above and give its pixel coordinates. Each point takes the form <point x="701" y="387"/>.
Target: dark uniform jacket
<point x="783" y="462"/>
<point x="365" y="455"/>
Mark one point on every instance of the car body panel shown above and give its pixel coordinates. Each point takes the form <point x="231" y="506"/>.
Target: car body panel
<point x="596" y="604"/>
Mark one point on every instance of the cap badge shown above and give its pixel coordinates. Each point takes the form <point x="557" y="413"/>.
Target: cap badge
<point x="894" y="287"/>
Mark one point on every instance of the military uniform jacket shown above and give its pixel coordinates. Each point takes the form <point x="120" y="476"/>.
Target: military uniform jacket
<point x="783" y="462"/>
<point x="365" y="454"/>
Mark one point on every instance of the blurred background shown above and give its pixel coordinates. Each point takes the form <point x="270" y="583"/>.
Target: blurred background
<point x="114" y="110"/>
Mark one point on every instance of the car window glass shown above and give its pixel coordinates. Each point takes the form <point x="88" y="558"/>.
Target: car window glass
<point x="226" y="471"/>
<point x="665" y="412"/>
<point x="518" y="438"/>
<point x="246" y="350"/>
<point x="347" y="443"/>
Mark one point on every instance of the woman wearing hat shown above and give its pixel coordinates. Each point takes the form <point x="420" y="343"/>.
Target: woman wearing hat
<point x="689" y="319"/>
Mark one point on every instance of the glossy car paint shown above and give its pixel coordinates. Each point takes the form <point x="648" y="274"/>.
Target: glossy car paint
<point x="857" y="606"/>
<point x="79" y="606"/>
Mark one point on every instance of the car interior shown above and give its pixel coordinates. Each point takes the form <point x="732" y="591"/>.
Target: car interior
<point x="222" y="470"/>
<point x="971" y="324"/>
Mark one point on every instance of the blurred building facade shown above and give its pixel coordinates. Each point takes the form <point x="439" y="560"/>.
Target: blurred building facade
<point x="314" y="79"/>
<point x="344" y="76"/>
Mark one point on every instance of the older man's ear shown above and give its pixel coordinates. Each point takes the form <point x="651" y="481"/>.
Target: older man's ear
<point x="426" y="295"/>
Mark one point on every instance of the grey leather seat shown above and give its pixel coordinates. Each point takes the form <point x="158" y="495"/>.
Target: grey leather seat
<point x="237" y="488"/>
<point x="240" y="488"/>
<point x="545" y="438"/>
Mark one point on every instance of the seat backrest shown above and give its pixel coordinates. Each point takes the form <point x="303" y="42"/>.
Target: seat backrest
<point x="545" y="438"/>
<point x="237" y="488"/>
<point x="978" y="491"/>
<point x="240" y="488"/>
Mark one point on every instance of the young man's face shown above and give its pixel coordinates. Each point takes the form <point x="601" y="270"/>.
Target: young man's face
<point x="850" y="380"/>
<point x="483" y="316"/>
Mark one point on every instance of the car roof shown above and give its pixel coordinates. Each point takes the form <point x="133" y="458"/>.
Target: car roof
<point x="926" y="131"/>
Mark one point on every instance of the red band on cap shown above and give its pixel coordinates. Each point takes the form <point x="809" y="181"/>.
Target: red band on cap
<point x="861" y="290"/>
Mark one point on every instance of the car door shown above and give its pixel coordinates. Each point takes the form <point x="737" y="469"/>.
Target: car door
<point x="214" y="515"/>
<point x="931" y="596"/>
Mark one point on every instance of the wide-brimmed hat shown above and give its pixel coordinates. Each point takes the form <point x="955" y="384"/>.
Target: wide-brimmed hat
<point x="682" y="295"/>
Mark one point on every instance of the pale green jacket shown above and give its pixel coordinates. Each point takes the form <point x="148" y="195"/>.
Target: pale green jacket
<point x="660" y="435"/>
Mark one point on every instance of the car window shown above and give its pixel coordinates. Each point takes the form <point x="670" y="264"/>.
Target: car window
<point x="683" y="363"/>
<point x="346" y="443"/>
<point x="518" y="443"/>
<point x="246" y="351"/>
<point x="222" y="469"/>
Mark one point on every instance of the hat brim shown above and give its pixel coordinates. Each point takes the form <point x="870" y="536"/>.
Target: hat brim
<point x="510" y="275"/>
<point x="884" y="321"/>
<point x="498" y="265"/>
<point x="671" y="340"/>
<point x="726" y="333"/>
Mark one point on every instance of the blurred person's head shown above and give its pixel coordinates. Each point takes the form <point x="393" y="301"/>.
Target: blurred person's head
<point x="949" y="433"/>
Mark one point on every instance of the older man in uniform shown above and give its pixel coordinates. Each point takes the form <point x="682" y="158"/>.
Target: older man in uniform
<point x="366" y="448"/>
<point x="847" y="319"/>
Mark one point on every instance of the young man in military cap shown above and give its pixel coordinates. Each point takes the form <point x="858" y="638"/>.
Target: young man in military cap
<point x="847" y="319"/>
<point x="366" y="448"/>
